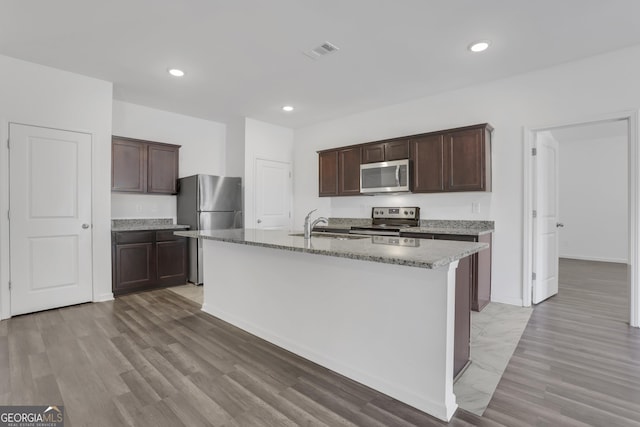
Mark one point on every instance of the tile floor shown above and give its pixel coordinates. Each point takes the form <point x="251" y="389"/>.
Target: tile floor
<point x="189" y="291"/>
<point x="495" y="333"/>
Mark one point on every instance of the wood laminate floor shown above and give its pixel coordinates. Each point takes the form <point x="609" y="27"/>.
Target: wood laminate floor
<point x="153" y="359"/>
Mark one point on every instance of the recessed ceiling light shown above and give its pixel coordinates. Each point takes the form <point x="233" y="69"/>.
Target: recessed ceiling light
<point x="287" y="108"/>
<point x="175" y="72"/>
<point x="479" y="46"/>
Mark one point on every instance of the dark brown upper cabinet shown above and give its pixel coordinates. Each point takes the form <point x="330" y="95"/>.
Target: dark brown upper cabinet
<point x="467" y="159"/>
<point x="162" y="169"/>
<point x="454" y="160"/>
<point x="128" y="166"/>
<point x="328" y="176"/>
<point x="349" y="171"/>
<point x="139" y="166"/>
<point x="427" y="155"/>
<point x="339" y="172"/>
<point x="443" y="161"/>
<point x="385" y="151"/>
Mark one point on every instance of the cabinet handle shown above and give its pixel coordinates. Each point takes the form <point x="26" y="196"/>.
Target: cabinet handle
<point x="559" y="224"/>
<point x="259" y="221"/>
<point x="85" y="226"/>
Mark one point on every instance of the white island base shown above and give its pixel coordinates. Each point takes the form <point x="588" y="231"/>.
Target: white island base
<point x="390" y="327"/>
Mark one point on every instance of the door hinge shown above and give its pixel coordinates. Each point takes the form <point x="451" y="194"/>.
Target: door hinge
<point x="535" y="214"/>
<point x="533" y="276"/>
<point x="9" y="215"/>
<point x="289" y="174"/>
<point x="534" y="151"/>
<point x="289" y="214"/>
<point x="9" y="284"/>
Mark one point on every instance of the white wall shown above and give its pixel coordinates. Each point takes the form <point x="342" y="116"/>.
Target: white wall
<point x="593" y="199"/>
<point x="235" y="147"/>
<point x="202" y="151"/>
<point x="262" y="141"/>
<point x="42" y="96"/>
<point x="571" y="92"/>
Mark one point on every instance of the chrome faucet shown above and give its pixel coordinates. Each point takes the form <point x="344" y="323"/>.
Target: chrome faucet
<point x="308" y="226"/>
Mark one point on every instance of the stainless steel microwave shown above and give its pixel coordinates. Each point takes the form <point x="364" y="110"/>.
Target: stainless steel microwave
<point x="385" y="177"/>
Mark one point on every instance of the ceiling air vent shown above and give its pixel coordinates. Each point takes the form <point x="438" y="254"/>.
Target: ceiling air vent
<point x="322" y="50"/>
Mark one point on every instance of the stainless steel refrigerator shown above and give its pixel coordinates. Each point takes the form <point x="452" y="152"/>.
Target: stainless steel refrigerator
<point x="208" y="202"/>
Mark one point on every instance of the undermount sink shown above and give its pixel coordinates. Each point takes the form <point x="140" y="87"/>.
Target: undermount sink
<point x="331" y="236"/>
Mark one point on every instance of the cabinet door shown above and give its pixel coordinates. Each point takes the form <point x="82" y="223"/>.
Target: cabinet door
<point x="462" y="328"/>
<point x="171" y="261"/>
<point x="162" y="169"/>
<point x="396" y="150"/>
<point x="372" y="153"/>
<point x="349" y="171"/>
<point x="465" y="160"/>
<point x="135" y="266"/>
<point x="481" y="290"/>
<point x="328" y="173"/>
<point x="428" y="168"/>
<point x="128" y="166"/>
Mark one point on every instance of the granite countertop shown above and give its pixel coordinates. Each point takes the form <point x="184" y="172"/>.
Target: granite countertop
<point x="427" y="226"/>
<point x="426" y="253"/>
<point x="143" y="224"/>
<point x="458" y="227"/>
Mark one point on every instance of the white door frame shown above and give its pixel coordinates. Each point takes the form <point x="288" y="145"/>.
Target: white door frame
<point x="5" y="295"/>
<point x="632" y="117"/>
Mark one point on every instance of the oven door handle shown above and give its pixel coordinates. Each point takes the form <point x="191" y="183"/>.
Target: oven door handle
<point x="375" y="232"/>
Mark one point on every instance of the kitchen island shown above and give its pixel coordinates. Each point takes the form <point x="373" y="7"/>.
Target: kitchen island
<point x="380" y="314"/>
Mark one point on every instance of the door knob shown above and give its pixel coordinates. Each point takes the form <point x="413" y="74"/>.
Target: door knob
<point x="85" y="226"/>
<point x="559" y="224"/>
<point x="259" y="221"/>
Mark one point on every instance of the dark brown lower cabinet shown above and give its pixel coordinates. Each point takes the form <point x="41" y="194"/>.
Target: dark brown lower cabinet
<point x="480" y="267"/>
<point x="462" y="330"/>
<point x="147" y="260"/>
<point x="473" y="291"/>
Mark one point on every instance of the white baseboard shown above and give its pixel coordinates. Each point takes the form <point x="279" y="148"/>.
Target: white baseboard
<point x="589" y="258"/>
<point x="507" y="300"/>
<point x="104" y="297"/>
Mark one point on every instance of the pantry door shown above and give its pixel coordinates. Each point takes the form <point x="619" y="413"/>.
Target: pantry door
<point x="50" y="218"/>
<point x="545" y="284"/>
<point x="273" y="193"/>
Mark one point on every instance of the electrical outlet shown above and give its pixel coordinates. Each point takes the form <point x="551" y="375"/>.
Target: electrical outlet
<point x="475" y="207"/>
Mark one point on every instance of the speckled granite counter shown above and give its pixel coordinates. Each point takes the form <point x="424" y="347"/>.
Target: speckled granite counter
<point x="426" y="253"/>
<point x="427" y="226"/>
<point x="142" y="224"/>
<point x="458" y="227"/>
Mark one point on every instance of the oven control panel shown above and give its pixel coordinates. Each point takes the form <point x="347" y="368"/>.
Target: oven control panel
<point x="396" y="213"/>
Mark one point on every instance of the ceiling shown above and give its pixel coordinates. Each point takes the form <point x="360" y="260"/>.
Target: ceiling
<point x="245" y="57"/>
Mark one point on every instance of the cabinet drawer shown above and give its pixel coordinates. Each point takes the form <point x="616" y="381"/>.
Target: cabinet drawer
<point x="167" y="235"/>
<point x="134" y="237"/>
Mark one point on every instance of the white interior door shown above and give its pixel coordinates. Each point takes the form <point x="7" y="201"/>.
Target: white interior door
<point x="50" y="218"/>
<point x="545" y="263"/>
<point x="273" y="192"/>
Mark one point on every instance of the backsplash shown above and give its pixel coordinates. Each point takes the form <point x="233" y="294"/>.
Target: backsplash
<point x="142" y="206"/>
<point x="132" y="222"/>
<point x="456" y="223"/>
